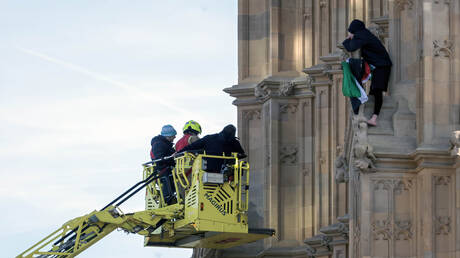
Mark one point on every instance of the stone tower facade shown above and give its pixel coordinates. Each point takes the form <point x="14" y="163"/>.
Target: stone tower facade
<point x="325" y="182"/>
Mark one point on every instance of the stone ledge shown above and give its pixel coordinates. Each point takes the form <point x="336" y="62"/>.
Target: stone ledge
<point x="333" y="235"/>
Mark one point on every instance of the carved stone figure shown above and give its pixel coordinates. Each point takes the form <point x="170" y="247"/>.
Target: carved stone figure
<point x="286" y="89"/>
<point x="442" y="225"/>
<point x="443" y="48"/>
<point x="401" y="4"/>
<point x="455" y="143"/>
<point x="376" y="30"/>
<point x="261" y="92"/>
<point x="288" y="155"/>
<point x="341" y="169"/>
<point x="362" y="150"/>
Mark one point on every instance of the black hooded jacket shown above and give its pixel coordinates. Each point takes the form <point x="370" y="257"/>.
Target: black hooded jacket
<point x="217" y="144"/>
<point x="161" y="148"/>
<point x="372" y="49"/>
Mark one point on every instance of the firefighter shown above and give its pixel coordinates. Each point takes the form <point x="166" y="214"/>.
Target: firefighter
<point x="191" y="131"/>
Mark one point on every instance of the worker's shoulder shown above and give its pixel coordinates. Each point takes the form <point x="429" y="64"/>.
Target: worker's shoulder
<point x="156" y="139"/>
<point x="211" y="136"/>
<point x="161" y="142"/>
<point x="192" y="139"/>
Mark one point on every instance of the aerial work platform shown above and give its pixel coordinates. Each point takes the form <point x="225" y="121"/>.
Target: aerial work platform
<point x="209" y="210"/>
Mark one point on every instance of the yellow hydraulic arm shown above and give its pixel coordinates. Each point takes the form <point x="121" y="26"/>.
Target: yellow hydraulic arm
<point x="78" y="234"/>
<point x="87" y="230"/>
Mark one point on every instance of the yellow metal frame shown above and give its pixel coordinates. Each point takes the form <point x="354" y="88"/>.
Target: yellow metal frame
<point x="207" y="207"/>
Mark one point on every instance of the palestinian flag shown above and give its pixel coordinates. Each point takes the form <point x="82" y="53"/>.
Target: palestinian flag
<point x="350" y="86"/>
<point x="367" y="72"/>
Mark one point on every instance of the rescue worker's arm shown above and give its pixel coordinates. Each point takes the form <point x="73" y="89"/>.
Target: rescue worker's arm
<point x="237" y="148"/>
<point x="192" y="139"/>
<point x="161" y="150"/>
<point x="197" y="145"/>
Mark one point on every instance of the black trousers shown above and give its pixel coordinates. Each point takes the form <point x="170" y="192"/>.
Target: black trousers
<point x="380" y="79"/>
<point x="167" y="185"/>
<point x="355" y="103"/>
<point x="378" y="97"/>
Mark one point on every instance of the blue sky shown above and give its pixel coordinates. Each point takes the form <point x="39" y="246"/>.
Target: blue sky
<point x="84" y="85"/>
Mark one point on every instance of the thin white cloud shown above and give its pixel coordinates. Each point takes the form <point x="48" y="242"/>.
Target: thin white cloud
<point x="133" y="91"/>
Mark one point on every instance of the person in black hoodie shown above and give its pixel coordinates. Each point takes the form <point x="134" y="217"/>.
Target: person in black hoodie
<point x="162" y="146"/>
<point x="374" y="53"/>
<point x="217" y="144"/>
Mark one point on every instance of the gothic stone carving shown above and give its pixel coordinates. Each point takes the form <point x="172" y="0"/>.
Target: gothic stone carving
<point x="442" y="225"/>
<point x="445" y="1"/>
<point x="402" y="185"/>
<point x="442" y="180"/>
<point x="381" y="229"/>
<point x="266" y="89"/>
<point x="306" y="172"/>
<point x="318" y="245"/>
<point x="386" y="230"/>
<point x="341" y="169"/>
<point x="261" y="92"/>
<point x="288" y="155"/>
<point x="288" y="108"/>
<point x="403" y="230"/>
<point x="307" y="14"/>
<point x="286" y="89"/>
<point x="251" y="114"/>
<point x="383" y="184"/>
<point x="442" y="48"/>
<point x="362" y="150"/>
<point x="401" y="4"/>
<point x="376" y="30"/>
<point x="308" y="81"/>
<point x="322" y="3"/>
<point x="397" y="185"/>
<point x="338" y="230"/>
<point x="455" y="143"/>
<point x="310" y="250"/>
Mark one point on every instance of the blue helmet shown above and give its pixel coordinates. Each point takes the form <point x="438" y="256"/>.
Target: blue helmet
<point x="168" y="130"/>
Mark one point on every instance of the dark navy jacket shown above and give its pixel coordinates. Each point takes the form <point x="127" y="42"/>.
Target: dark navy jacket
<point x="161" y="148"/>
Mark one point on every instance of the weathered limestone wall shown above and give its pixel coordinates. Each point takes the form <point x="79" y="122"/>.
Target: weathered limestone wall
<point x="438" y="91"/>
<point x="282" y="37"/>
<point x="294" y="127"/>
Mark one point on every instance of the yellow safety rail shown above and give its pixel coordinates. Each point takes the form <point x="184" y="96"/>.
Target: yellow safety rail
<point x="183" y="164"/>
<point x="243" y="187"/>
<point x="154" y="189"/>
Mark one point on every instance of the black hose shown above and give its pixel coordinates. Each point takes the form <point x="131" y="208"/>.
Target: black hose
<point x="158" y="160"/>
<point x="148" y="179"/>
<point x="129" y="190"/>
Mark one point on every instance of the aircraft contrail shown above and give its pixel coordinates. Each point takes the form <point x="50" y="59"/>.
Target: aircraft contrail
<point x="130" y="88"/>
